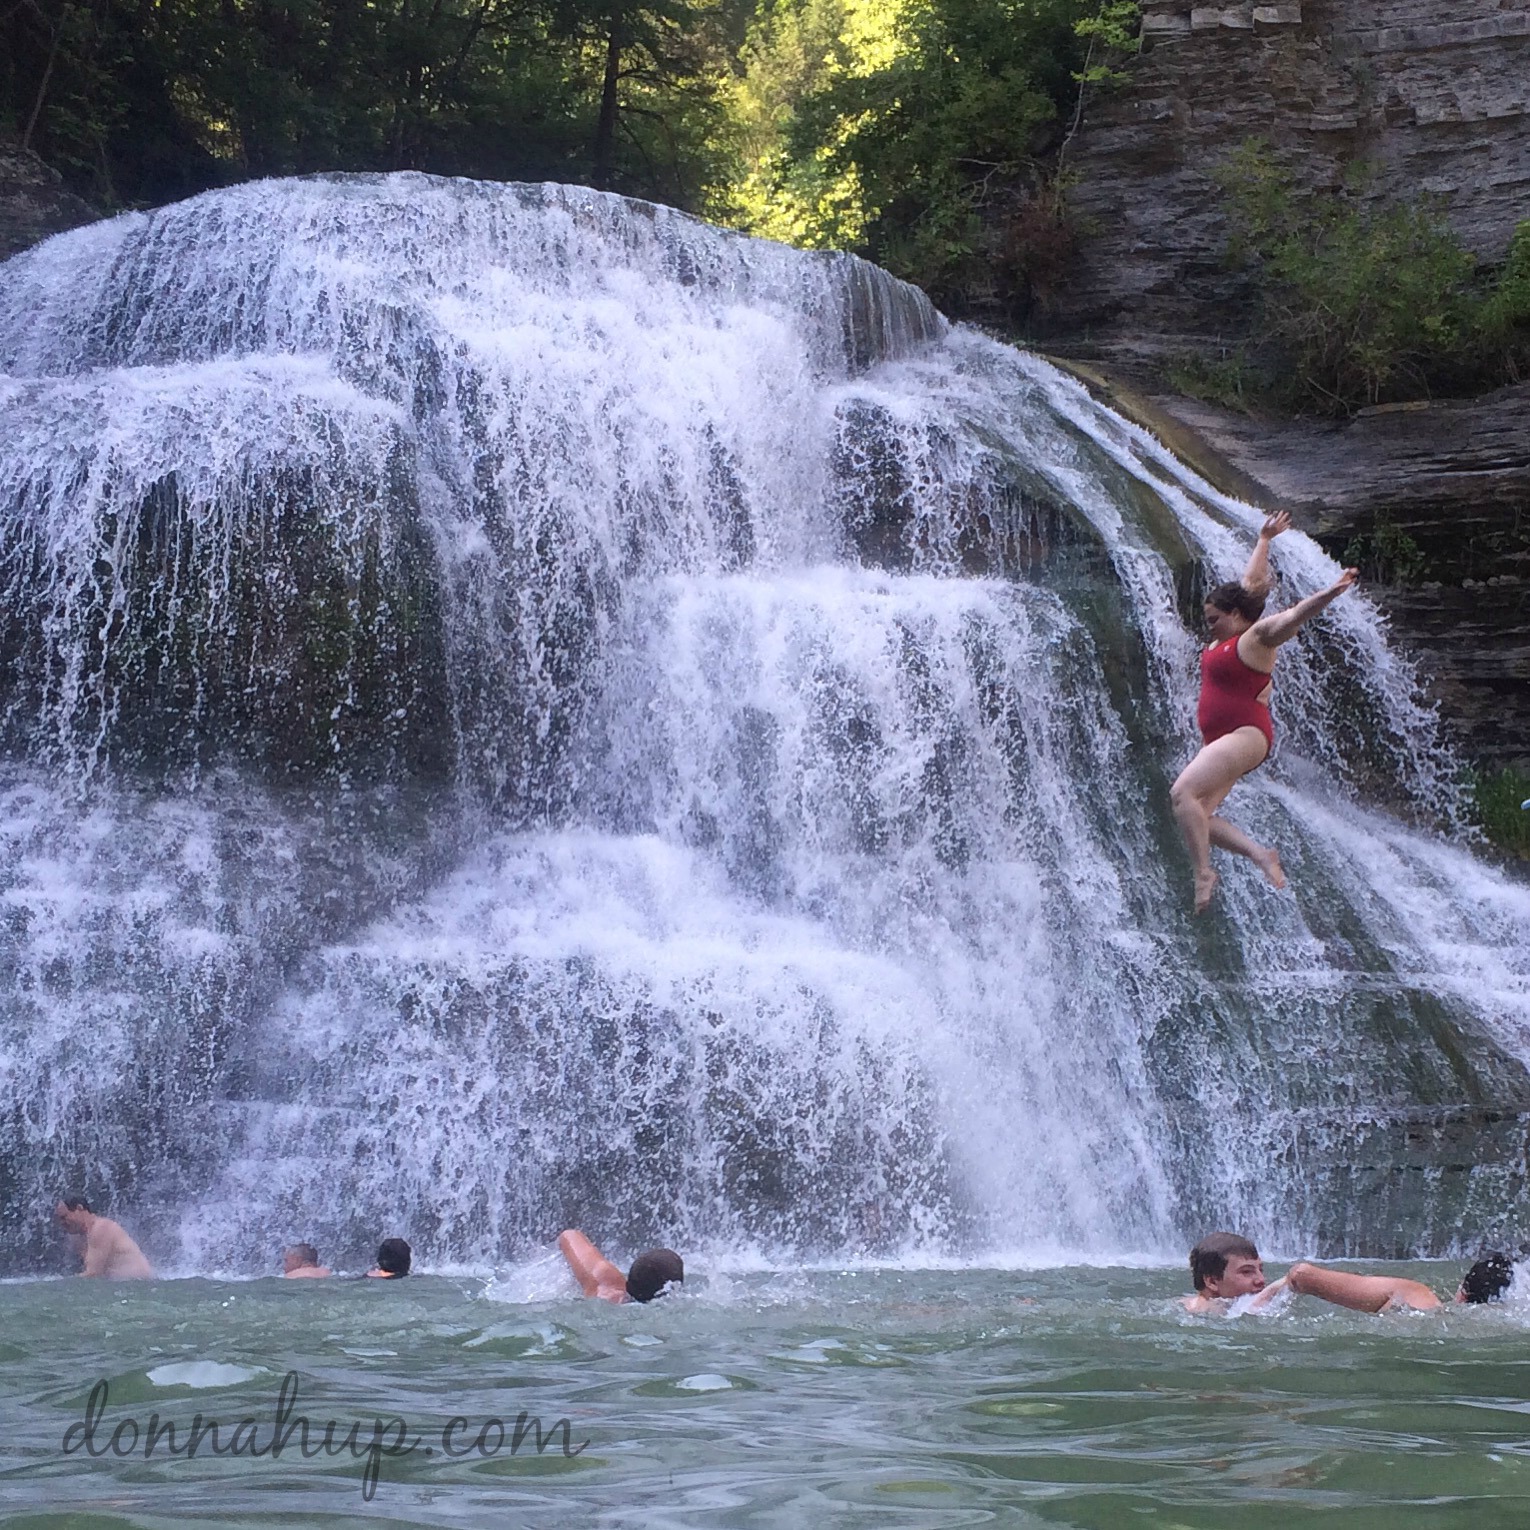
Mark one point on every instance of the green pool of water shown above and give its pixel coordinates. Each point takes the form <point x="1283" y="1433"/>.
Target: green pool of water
<point x="1079" y="1397"/>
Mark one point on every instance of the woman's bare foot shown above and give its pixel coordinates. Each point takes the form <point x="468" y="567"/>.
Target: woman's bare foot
<point x="1205" y="886"/>
<point x="1268" y="862"/>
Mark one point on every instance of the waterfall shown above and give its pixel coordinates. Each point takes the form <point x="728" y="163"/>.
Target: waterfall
<point x="520" y="709"/>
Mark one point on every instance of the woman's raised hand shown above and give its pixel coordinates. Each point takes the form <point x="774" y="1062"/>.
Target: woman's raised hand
<point x="1274" y="524"/>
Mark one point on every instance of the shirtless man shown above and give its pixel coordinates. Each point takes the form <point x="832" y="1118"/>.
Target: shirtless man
<point x="301" y="1261"/>
<point x="1234" y="710"/>
<point x="1223" y="1267"/>
<point x="649" y="1277"/>
<point x="107" y="1251"/>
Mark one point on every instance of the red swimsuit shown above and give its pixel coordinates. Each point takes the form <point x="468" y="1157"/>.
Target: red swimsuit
<point x="1228" y="689"/>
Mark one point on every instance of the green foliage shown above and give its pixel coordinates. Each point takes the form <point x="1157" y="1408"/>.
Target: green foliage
<point x="923" y="133"/>
<point x="1112" y="33"/>
<point x="1386" y="555"/>
<point x="1363" y="304"/>
<point x="140" y="102"/>
<point x="1229" y="379"/>
<point x="910" y="130"/>
<point x="1503" y="321"/>
<point x="1360" y="300"/>
<point x="1496" y="799"/>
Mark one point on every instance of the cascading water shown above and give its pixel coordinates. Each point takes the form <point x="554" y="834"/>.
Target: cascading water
<point x="520" y="708"/>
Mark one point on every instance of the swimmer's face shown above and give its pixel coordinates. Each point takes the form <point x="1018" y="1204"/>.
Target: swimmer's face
<point x="70" y="1221"/>
<point x="1242" y="1277"/>
<point x="1223" y="624"/>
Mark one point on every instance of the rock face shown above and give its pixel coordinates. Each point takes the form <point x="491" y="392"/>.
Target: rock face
<point x="1427" y="97"/>
<point x="33" y="202"/>
<point x="1449" y="483"/>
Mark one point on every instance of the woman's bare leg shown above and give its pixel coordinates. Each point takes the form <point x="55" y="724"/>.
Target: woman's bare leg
<point x="1199" y="792"/>
<point x="1227" y="836"/>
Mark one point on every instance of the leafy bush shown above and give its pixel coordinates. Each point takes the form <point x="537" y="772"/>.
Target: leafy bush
<point x="1386" y="555"/>
<point x="1362" y="303"/>
<point x="1496" y="800"/>
<point x="1503" y="321"/>
<point x="1229" y="379"/>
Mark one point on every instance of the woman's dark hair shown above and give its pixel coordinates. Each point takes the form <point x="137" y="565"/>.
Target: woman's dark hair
<point x="393" y="1256"/>
<point x="652" y="1272"/>
<point x="1234" y="596"/>
<point x="1488" y="1279"/>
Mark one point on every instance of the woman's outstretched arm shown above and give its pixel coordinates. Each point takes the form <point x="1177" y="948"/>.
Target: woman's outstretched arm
<point x="1272" y="631"/>
<point x="1256" y="577"/>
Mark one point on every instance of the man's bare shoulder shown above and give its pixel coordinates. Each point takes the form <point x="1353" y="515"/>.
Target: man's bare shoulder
<point x="1197" y="1303"/>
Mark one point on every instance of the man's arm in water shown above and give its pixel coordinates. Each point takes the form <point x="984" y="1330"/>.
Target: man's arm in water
<point x="596" y="1275"/>
<point x="1256" y="576"/>
<point x="1362" y="1293"/>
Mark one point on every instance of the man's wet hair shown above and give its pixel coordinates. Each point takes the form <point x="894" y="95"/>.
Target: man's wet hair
<point x="1208" y="1259"/>
<point x="652" y="1272"/>
<point x="76" y="1203"/>
<point x="1488" y="1279"/>
<point x="307" y="1252"/>
<point x="393" y="1256"/>
<point x="1234" y="596"/>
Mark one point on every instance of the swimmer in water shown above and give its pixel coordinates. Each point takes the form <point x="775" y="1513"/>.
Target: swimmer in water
<point x="1234" y="710"/>
<point x="105" y="1249"/>
<point x="300" y="1261"/>
<point x="651" y="1274"/>
<point x="394" y="1260"/>
<point x="1486" y="1281"/>
<point x="1223" y="1267"/>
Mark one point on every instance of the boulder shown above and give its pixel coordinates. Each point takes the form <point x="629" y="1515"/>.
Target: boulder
<point x="33" y="201"/>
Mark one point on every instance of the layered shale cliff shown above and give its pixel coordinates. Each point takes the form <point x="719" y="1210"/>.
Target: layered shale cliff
<point x="1389" y="99"/>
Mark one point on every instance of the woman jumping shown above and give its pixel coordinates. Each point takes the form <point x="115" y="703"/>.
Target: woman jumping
<point x="1234" y="711"/>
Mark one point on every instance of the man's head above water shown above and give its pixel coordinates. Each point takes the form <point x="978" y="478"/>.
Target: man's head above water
<point x="1226" y="1265"/>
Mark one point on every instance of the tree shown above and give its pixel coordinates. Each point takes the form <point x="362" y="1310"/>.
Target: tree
<point x="142" y="100"/>
<point x="916" y="131"/>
